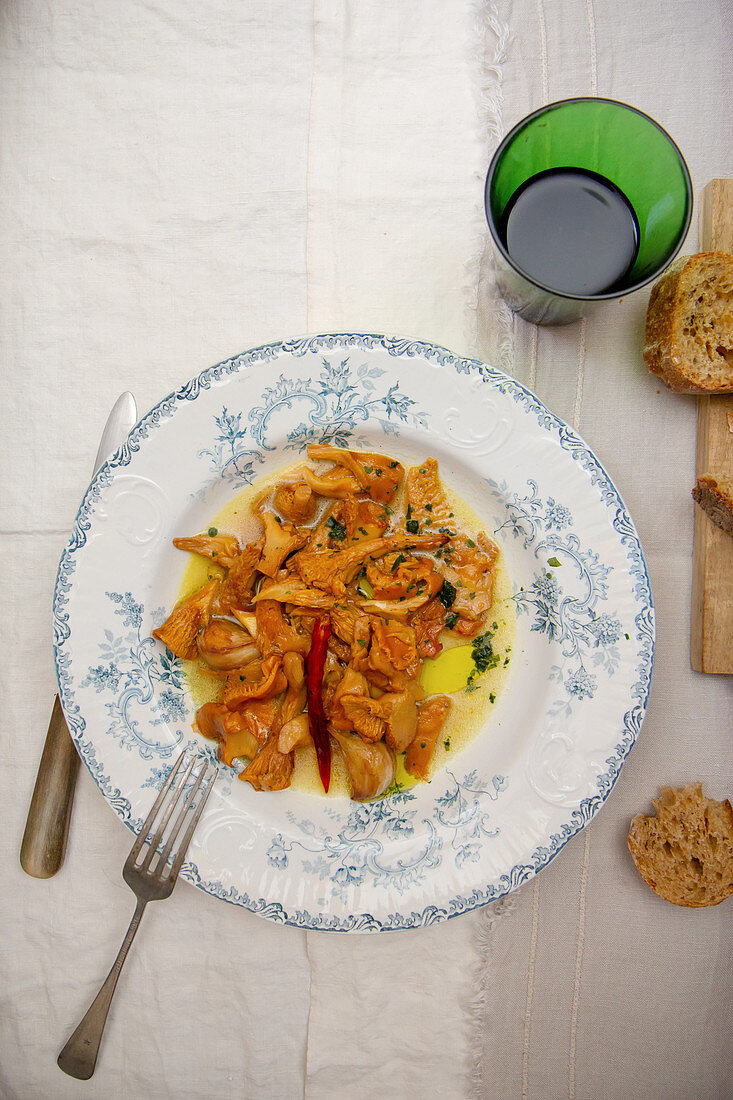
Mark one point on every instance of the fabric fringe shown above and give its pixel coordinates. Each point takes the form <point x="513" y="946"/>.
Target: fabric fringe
<point x="489" y="319"/>
<point x="491" y="323"/>
<point x="481" y="1004"/>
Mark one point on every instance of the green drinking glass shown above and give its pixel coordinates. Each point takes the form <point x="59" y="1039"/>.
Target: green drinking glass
<point x="587" y="200"/>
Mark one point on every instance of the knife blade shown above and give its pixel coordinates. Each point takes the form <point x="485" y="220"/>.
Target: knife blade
<point x="46" y="832"/>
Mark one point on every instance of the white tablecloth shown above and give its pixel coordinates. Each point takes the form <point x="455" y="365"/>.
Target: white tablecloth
<point x="182" y="181"/>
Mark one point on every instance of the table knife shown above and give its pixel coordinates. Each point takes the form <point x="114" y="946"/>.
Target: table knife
<point x="43" y="847"/>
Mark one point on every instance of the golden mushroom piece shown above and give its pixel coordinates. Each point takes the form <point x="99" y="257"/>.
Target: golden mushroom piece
<point x="314" y="634"/>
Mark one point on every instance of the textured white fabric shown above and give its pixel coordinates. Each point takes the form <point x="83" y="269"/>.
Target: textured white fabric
<point x="180" y="182"/>
<point x="153" y="222"/>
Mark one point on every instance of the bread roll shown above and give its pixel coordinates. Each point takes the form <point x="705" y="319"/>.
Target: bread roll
<point x="685" y="853"/>
<point x="689" y="325"/>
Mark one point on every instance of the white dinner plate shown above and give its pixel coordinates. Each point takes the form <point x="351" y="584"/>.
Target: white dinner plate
<point x="570" y="711"/>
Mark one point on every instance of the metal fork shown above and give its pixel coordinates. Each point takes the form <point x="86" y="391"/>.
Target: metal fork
<point x="151" y="872"/>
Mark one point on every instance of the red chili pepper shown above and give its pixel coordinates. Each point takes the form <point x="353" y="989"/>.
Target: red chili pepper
<point x="314" y="665"/>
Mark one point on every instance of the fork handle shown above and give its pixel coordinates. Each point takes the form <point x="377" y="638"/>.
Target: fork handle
<point x="79" y="1056"/>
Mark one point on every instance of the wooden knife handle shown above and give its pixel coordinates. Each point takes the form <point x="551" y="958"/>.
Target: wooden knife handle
<point x="47" y="828"/>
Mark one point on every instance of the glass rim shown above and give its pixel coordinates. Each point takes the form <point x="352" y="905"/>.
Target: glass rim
<point x="607" y="295"/>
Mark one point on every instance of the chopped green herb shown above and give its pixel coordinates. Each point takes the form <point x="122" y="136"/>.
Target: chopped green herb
<point x="213" y="532"/>
<point x="446" y="744"/>
<point x="428" y="507"/>
<point x="412" y="526"/>
<point x="554" y="563"/>
<point x="626" y="636"/>
<point x="483" y="655"/>
<point x="363" y="531"/>
<point x="451" y="620"/>
<point x="423" y="744"/>
<point x="393" y="464"/>
<point x="492" y="697"/>
<point x="398" y="562"/>
<point x="471" y="544"/>
<point x="336" y="530"/>
<point x="447" y="594"/>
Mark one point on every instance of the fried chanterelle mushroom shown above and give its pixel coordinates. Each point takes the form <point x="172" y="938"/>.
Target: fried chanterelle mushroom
<point x="317" y="628"/>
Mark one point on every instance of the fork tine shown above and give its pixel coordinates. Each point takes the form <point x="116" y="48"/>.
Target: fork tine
<point x="180" y="787"/>
<point x="150" y="819"/>
<point x="183" y="847"/>
<point x="178" y="823"/>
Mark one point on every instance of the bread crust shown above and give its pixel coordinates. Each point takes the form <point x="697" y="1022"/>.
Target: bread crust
<point x="667" y="338"/>
<point x="715" y="496"/>
<point x="685" y="852"/>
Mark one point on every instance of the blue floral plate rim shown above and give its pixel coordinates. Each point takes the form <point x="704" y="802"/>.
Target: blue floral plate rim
<point x="396" y="348"/>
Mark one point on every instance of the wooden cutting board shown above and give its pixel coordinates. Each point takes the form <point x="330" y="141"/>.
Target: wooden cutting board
<point x="711" y="648"/>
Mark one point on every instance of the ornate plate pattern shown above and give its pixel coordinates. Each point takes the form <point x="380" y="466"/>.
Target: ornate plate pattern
<point x="582" y="660"/>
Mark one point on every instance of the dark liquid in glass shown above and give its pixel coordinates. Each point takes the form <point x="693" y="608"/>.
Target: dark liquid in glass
<point x="571" y="230"/>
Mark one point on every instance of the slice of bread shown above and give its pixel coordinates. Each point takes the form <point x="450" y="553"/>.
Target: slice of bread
<point x="688" y="340"/>
<point x="715" y="496"/>
<point x="685" y="853"/>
